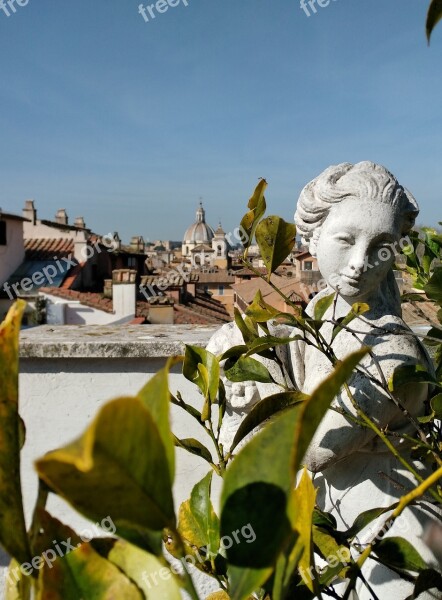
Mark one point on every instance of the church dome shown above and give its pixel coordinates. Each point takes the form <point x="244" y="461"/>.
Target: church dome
<point x="200" y="232"/>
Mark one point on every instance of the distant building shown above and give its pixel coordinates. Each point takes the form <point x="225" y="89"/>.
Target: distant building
<point x="203" y="246"/>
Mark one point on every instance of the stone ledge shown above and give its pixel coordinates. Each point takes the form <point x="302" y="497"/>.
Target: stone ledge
<point x="107" y="341"/>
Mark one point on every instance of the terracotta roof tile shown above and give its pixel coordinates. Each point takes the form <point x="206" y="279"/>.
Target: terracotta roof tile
<point x="48" y="248"/>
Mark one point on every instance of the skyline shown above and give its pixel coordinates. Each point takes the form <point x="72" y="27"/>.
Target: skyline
<point x="128" y="123"/>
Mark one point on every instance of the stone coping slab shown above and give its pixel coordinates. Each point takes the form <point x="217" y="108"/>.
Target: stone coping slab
<point x="111" y="341"/>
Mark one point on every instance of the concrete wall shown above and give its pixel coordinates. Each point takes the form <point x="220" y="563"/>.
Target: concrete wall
<point x="68" y="373"/>
<point x="72" y="312"/>
<point x="13" y="254"/>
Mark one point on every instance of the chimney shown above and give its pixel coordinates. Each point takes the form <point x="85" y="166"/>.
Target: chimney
<point x="117" y="241"/>
<point x="79" y="222"/>
<point x="124" y="293"/>
<point x="61" y="217"/>
<point x="30" y="212"/>
<point x="161" y="311"/>
<point x="137" y="243"/>
<point x="80" y="247"/>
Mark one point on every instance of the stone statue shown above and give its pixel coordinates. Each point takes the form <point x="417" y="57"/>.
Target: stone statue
<point x="351" y="216"/>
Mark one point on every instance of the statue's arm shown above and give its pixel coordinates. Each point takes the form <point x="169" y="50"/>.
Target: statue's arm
<point x="338" y="436"/>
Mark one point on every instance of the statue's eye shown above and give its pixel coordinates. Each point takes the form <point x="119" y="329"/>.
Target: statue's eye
<point x="345" y="240"/>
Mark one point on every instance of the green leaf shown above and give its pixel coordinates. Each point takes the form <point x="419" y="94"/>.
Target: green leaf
<point x="433" y="289"/>
<point x="83" y="573"/>
<point x="260" y="311"/>
<point x="436" y="406"/>
<point x="323" y="305"/>
<point x="358" y="309"/>
<point x="364" y="519"/>
<point x="155" y="396"/>
<point x="266" y="408"/>
<point x="434" y="15"/>
<point x="276" y="239"/>
<point x="410" y="374"/>
<point x="204" y="374"/>
<point x="257" y="205"/>
<point x="195" y="356"/>
<point x="13" y="535"/>
<point x="255" y="493"/>
<point x="149" y="573"/>
<point x="324" y="519"/>
<point x="194" y="447"/>
<point x="332" y="552"/>
<point x="246" y="369"/>
<point x="198" y="523"/>
<point x="398" y="552"/>
<point x="243" y="582"/>
<point x="262" y="344"/>
<point x="427" y="579"/>
<point x="413" y="297"/>
<point x="234" y="352"/>
<point x="259" y="481"/>
<point x="118" y="467"/>
<point x="435" y="332"/>
<point x="248" y="334"/>
<point x="80" y="572"/>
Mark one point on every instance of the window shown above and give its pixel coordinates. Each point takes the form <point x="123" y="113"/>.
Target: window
<point x="308" y="265"/>
<point x="2" y="233"/>
<point x="220" y="290"/>
<point x="132" y="261"/>
<point x="219" y="251"/>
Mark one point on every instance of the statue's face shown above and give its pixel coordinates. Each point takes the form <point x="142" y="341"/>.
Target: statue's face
<point x="354" y="249"/>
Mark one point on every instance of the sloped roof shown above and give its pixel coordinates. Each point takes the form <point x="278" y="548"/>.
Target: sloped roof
<point x="32" y="275"/>
<point x="91" y="299"/>
<point x="221" y="276"/>
<point x="12" y="217"/>
<point x="290" y="287"/>
<point x="48" y="248"/>
<point x="203" y="248"/>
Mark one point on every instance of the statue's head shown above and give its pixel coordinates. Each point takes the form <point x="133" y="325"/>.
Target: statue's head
<point x="351" y="216"/>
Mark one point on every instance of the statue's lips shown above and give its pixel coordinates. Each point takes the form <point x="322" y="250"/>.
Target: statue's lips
<point x="351" y="279"/>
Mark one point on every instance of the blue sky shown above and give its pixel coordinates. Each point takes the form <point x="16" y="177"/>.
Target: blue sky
<point x="128" y="123"/>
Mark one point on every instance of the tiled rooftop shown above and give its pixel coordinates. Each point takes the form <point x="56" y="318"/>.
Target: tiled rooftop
<point x="48" y="249"/>
<point x="201" y="310"/>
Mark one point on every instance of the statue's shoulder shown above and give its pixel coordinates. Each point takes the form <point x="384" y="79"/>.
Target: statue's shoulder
<point x="224" y="338"/>
<point x="399" y="340"/>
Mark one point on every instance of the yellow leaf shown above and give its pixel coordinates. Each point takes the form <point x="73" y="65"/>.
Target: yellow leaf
<point x="13" y="535"/>
<point x="301" y="515"/>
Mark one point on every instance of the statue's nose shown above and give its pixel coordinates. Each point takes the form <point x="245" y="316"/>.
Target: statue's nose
<point x="357" y="261"/>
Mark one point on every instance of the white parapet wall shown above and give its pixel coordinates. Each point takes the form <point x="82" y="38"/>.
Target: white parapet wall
<point x="67" y="373"/>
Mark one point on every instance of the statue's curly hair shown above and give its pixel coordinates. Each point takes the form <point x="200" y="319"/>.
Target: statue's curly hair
<point x="365" y="180"/>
